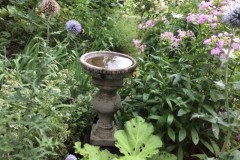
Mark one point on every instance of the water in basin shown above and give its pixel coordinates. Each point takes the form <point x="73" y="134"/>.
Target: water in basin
<point x="110" y="62"/>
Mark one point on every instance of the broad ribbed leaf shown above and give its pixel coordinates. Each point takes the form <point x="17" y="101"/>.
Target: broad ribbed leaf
<point x="90" y="152"/>
<point x="137" y="139"/>
<point x="129" y="158"/>
<point x="163" y="156"/>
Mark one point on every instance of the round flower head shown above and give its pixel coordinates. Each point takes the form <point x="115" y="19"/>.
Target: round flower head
<point x="73" y="26"/>
<point x="71" y="157"/>
<point x="49" y="7"/>
<point x="232" y="15"/>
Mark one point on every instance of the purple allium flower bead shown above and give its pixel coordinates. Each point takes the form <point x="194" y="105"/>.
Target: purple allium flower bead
<point x="232" y="15"/>
<point x="73" y="26"/>
<point x="71" y="157"/>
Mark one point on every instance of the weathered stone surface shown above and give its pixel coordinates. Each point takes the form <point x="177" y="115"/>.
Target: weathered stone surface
<point x="107" y="101"/>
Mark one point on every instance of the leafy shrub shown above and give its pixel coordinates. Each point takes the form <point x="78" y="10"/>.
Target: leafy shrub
<point x="42" y="103"/>
<point x="135" y="142"/>
<point x="175" y="85"/>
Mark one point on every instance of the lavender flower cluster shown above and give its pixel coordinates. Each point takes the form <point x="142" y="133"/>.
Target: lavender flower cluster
<point x="137" y="44"/>
<point x="175" y="40"/>
<point x="208" y="12"/>
<point x="219" y="44"/>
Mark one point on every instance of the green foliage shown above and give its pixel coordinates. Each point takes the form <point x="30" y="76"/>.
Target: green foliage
<point x="93" y="152"/>
<point x="42" y="103"/>
<point x="122" y="33"/>
<point x="135" y="142"/>
<point x="137" y="139"/>
<point x="175" y="86"/>
<point x="143" y="7"/>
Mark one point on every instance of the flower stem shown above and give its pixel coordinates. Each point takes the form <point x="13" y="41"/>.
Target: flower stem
<point x="48" y="29"/>
<point x="226" y="77"/>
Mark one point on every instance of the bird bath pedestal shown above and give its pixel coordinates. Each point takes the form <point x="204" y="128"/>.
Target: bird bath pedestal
<point x="107" y="70"/>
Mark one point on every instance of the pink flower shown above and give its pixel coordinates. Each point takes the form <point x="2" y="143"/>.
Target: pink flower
<point x="165" y="20"/>
<point x="214" y="25"/>
<point x="166" y="36"/>
<point x="149" y="23"/>
<point x="191" y="34"/>
<point x="235" y="46"/>
<point x="136" y="42"/>
<point x="181" y="33"/>
<point x="140" y="26"/>
<point x="202" y="19"/>
<point x="207" y="41"/>
<point x="138" y="45"/>
<point x="190" y="18"/>
<point x="220" y="43"/>
<point x="203" y="6"/>
<point x="175" y="42"/>
<point x="215" y="51"/>
<point x="216" y="13"/>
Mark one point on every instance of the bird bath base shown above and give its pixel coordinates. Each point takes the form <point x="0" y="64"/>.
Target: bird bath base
<point x="98" y="141"/>
<point x="107" y="70"/>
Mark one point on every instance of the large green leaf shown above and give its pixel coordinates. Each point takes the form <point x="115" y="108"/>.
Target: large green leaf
<point x="163" y="156"/>
<point x="137" y="139"/>
<point x="90" y="152"/>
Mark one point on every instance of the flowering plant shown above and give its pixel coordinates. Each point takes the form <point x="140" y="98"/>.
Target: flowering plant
<point x="73" y="27"/>
<point x="177" y="86"/>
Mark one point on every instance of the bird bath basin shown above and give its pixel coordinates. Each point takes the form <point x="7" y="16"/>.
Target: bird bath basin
<point x="107" y="70"/>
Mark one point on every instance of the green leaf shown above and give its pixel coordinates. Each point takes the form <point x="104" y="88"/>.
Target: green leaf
<point x="195" y="137"/>
<point x="180" y="153"/>
<point x="182" y="134"/>
<point x="171" y="133"/>
<point x="137" y="139"/>
<point x="163" y="156"/>
<point x="182" y="112"/>
<point x="236" y="85"/>
<point x="215" y="129"/>
<point x="189" y="93"/>
<point x="170" y="119"/>
<point x="220" y="84"/>
<point x="93" y="152"/>
<point x="145" y="97"/>
<point x="169" y="103"/>
<point x="215" y="147"/>
<point x="207" y="145"/>
<point x="200" y="156"/>
<point x="210" y="110"/>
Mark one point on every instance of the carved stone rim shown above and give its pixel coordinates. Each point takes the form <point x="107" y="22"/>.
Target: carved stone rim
<point x="94" y="69"/>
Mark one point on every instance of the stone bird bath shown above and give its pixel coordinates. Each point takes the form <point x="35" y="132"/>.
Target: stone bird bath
<point x="107" y="70"/>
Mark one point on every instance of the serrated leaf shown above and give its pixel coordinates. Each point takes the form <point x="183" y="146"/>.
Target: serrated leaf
<point x="93" y="152"/>
<point x="182" y="134"/>
<point x="171" y="133"/>
<point x="195" y="137"/>
<point x="164" y="156"/>
<point x="129" y="158"/>
<point x="137" y="139"/>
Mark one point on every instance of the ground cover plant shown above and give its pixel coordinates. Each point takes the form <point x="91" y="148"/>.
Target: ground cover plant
<point x="184" y="93"/>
